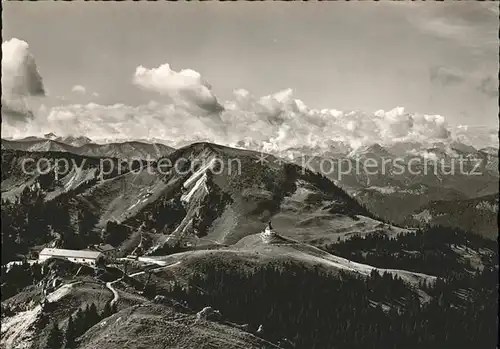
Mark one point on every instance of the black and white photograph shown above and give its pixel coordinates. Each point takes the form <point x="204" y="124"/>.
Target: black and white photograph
<point x="249" y="174"/>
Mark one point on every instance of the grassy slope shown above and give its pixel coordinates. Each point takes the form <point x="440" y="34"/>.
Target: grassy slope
<point x="256" y="249"/>
<point x="156" y="326"/>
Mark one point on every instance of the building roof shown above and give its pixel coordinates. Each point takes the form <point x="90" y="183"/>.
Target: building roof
<point x="57" y="252"/>
<point x="102" y="248"/>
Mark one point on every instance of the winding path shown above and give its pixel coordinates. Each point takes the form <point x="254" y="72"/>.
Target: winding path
<point x="16" y="329"/>
<point x="154" y="269"/>
<point x="116" y="296"/>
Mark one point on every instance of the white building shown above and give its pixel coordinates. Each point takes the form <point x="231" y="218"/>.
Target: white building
<point x="77" y="256"/>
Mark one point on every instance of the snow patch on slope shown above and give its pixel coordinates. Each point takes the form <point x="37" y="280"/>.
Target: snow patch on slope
<point x="200" y="183"/>
<point x="201" y="171"/>
<point x="199" y="178"/>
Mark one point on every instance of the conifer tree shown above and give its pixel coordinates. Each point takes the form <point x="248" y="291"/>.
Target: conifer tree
<point x="69" y="336"/>
<point x="79" y="323"/>
<point x="107" y="311"/>
<point x="55" y="339"/>
<point x="92" y="317"/>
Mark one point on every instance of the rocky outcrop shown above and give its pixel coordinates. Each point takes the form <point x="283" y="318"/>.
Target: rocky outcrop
<point x="208" y="313"/>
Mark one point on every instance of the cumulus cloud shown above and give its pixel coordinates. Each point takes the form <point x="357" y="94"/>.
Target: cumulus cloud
<point x="478" y="135"/>
<point x="79" y="89"/>
<point x="280" y="121"/>
<point x="273" y="123"/>
<point x="270" y="123"/>
<point x="185" y="87"/>
<point x="20" y="74"/>
<point x="20" y="80"/>
<point x="16" y="110"/>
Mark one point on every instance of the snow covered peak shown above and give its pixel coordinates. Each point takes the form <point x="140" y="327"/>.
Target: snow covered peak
<point x="76" y="141"/>
<point x="374" y="150"/>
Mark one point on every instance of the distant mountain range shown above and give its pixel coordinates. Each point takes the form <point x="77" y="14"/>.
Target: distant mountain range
<point x="333" y="150"/>
<point x="70" y="140"/>
<point x="403" y="178"/>
<point x="85" y="146"/>
<point x="390" y="194"/>
<point x="199" y="206"/>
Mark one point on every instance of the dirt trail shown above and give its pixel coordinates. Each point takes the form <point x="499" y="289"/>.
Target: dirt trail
<point x="152" y="270"/>
<point x="116" y="295"/>
<point x="16" y="331"/>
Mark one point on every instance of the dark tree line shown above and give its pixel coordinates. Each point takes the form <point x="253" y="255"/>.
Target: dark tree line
<point x="315" y="310"/>
<point x="24" y="223"/>
<point x="30" y="221"/>
<point x="18" y="277"/>
<point x="428" y="250"/>
<point x="115" y="233"/>
<point x="163" y="215"/>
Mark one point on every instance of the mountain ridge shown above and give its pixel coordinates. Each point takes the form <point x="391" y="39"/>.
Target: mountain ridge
<point x="126" y="150"/>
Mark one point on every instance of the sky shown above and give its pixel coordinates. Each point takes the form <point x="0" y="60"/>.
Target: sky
<point x="435" y="58"/>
